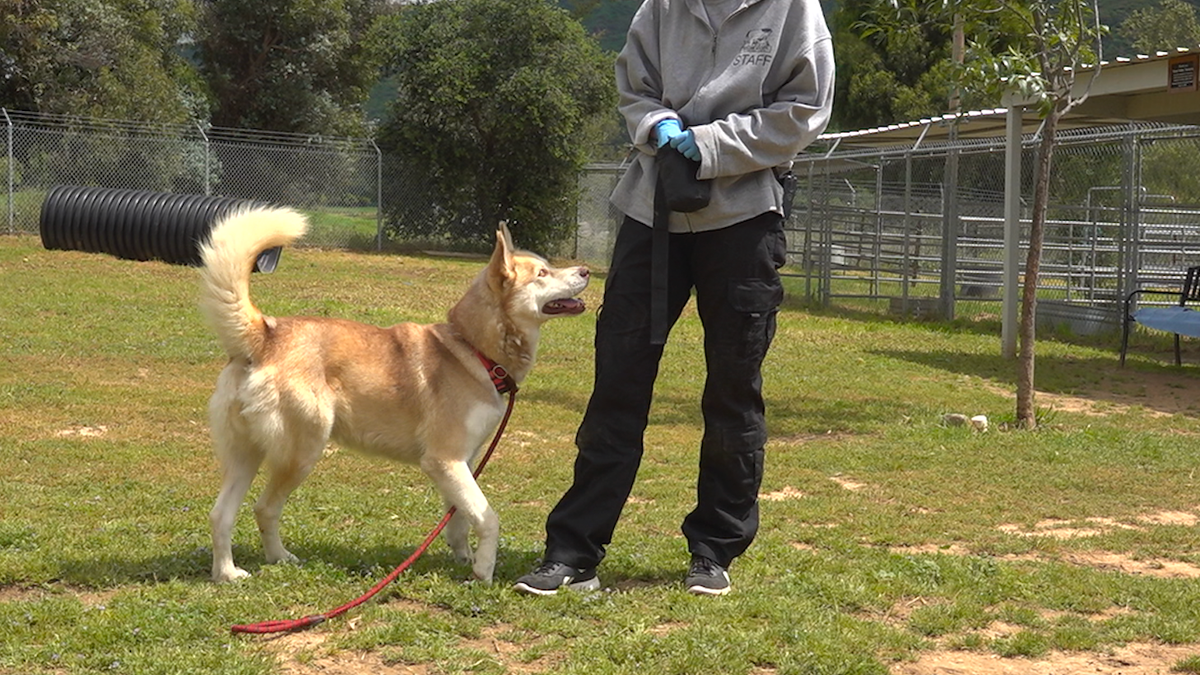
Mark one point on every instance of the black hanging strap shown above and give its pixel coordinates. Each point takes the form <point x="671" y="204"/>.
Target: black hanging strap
<point x="659" y="245"/>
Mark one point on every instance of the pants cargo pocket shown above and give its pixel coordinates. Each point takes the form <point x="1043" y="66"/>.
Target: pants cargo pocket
<point x="756" y="301"/>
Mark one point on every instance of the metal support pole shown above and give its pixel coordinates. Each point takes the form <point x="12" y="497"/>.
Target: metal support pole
<point x="1012" y="230"/>
<point x="876" y="265"/>
<point x="909" y="273"/>
<point x="207" y="168"/>
<point x="950" y="225"/>
<point x="12" y="227"/>
<point x="1130" y="236"/>
<point x="812" y="254"/>
<point x="379" y="197"/>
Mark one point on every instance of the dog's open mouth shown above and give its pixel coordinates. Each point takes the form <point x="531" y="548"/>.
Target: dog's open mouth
<point x="564" y="306"/>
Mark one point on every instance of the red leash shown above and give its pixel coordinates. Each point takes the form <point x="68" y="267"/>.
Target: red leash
<point x="500" y="379"/>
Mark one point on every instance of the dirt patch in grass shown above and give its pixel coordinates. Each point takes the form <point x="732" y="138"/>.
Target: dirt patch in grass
<point x="1105" y="560"/>
<point x="848" y="483"/>
<point x="509" y="654"/>
<point x="82" y="431"/>
<point x="306" y="653"/>
<point x="1166" y="569"/>
<point x="350" y="663"/>
<point x="1132" y="659"/>
<point x="1184" y="518"/>
<point x="87" y="597"/>
<point x="1067" y="529"/>
<point x="1159" y="393"/>
<point x="785" y="493"/>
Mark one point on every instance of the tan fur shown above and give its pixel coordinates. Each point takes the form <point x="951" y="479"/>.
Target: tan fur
<point x="412" y="393"/>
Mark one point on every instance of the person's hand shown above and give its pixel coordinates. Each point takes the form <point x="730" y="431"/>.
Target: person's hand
<point x="685" y="143"/>
<point x="665" y="130"/>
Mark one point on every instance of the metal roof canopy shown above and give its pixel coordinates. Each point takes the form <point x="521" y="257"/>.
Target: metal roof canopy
<point x="1153" y="88"/>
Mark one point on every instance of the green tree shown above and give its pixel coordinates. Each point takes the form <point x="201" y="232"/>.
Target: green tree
<point x="498" y="106"/>
<point x="1172" y="24"/>
<point x="99" y="58"/>
<point x="895" y="58"/>
<point x="293" y="66"/>
<point x="608" y="20"/>
<point x="1063" y="37"/>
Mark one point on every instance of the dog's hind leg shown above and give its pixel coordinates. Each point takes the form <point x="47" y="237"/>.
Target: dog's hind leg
<point x="454" y="482"/>
<point x="239" y="458"/>
<point x="285" y="473"/>
<point x="239" y="471"/>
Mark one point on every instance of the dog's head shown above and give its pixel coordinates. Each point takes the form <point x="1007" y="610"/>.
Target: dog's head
<point x="530" y="287"/>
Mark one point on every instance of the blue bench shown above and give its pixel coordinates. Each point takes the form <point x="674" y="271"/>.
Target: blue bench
<point x="1178" y="319"/>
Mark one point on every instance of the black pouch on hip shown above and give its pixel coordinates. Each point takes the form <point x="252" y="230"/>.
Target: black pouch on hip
<point x="677" y="185"/>
<point x="789" y="182"/>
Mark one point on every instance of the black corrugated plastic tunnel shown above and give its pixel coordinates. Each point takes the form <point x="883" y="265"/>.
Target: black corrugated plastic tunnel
<point x="138" y="224"/>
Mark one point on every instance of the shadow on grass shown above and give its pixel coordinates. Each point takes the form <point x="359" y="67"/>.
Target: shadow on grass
<point x="365" y="565"/>
<point x="975" y="318"/>
<point x="362" y="568"/>
<point x="1162" y="388"/>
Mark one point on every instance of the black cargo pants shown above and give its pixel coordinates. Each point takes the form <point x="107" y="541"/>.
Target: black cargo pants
<point x="734" y="273"/>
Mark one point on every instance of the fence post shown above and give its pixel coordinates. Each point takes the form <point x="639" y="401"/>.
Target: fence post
<point x="1129" y="249"/>
<point x="1012" y="229"/>
<point x="378" y="196"/>
<point x="12" y="227"/>
<point x="810" y="253"/>
<point x="950" y="224"/>
<point x="204" y="136"/>
<point x="910" y="269"/>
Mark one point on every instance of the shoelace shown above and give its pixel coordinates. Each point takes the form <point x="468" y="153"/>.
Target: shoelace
<point x="704" y="567"/>
<point x="547" y="567"/>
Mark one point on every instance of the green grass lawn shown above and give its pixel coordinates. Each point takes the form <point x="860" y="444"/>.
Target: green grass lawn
<point x="886" y="534"/>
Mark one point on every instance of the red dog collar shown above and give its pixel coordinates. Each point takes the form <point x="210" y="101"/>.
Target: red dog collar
<point x="503" y="382"/>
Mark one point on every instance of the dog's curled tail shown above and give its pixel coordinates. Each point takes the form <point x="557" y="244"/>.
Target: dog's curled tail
<point x="228" y="259"/>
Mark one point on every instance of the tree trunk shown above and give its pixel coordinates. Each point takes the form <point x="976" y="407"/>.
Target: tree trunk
<point x="1026" y="412"/>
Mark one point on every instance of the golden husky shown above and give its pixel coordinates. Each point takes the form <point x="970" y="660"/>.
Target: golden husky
<point x="416" y="393"/>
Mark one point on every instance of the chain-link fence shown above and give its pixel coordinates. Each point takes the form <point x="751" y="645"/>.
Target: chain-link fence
<point x="597" y="219"/>
<point x="354" y="195"/>
<point x="918" y="230"/>
<point x="922" y="230"/>
<point x="336" y="180"/>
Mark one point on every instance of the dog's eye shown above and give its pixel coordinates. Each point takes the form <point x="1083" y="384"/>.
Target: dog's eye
<point x="543" y="272"/>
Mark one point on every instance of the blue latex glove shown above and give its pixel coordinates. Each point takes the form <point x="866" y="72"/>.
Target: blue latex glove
<point x="665" y="130"/>
<point x="686" y="144"/>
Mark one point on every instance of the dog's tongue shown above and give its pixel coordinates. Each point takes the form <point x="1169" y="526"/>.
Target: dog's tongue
<point x="564" y="306"/>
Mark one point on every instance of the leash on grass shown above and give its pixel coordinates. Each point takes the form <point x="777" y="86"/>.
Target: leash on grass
<point x="504" y="384"/>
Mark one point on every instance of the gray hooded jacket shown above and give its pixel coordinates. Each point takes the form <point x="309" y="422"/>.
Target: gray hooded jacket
<point x="755" y="93"/>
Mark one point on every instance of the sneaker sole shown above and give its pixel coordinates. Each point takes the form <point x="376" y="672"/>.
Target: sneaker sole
<point x="592" y="584"/>
<point x="705" y="590"/>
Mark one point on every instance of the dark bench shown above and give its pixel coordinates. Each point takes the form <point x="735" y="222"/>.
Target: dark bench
<point x="1178" y="319"/>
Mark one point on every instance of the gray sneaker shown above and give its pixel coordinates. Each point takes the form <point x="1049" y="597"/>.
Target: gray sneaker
<point x="706" y="577"/>
<point x="550" y="576"/>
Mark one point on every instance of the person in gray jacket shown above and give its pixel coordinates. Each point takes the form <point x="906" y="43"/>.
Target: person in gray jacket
<point x="740" y="87"/>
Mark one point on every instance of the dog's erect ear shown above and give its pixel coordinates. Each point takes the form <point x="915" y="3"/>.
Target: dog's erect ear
<point x="501" y="268"/>
<point x="504" y="236"/>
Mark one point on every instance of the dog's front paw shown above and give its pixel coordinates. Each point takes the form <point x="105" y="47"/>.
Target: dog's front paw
<point x="464" y="557"/>
<point x="231" y="574"/>
<point x="483" y="573"/>
<point x="284" y="557"/>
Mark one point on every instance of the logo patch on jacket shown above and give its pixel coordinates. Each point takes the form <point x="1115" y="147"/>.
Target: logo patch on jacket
<point x="757" y="50"/>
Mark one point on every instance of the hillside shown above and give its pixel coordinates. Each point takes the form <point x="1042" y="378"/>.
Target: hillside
<point x="609" y="19"/>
